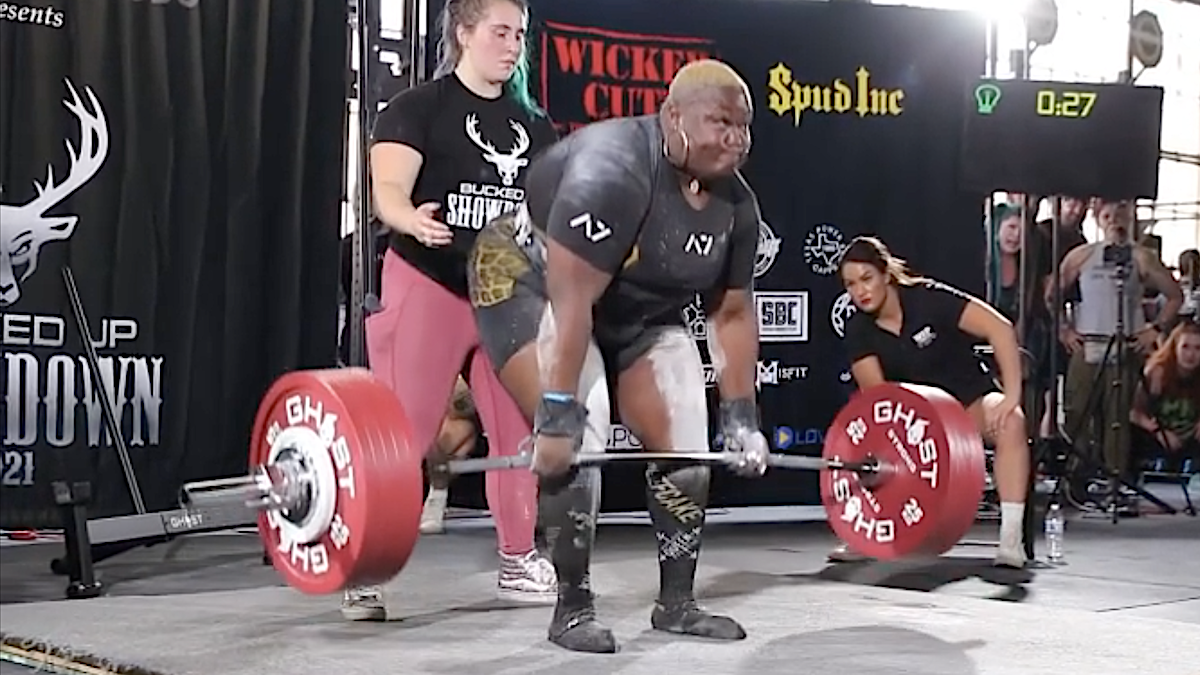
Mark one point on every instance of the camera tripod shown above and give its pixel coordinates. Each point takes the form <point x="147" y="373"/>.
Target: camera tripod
<point x="1122" y="387"/>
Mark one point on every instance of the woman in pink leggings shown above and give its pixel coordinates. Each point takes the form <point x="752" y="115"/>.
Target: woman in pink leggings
<point x="446" y="157"/>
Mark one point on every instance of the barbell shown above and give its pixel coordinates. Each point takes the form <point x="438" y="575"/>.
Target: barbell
<point x="338" y="486"/>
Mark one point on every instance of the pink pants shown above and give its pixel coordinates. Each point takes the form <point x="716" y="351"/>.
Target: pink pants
<point x="418" y="344"/>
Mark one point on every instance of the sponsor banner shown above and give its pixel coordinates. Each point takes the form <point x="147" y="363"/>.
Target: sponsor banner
<point x="595" y="73"/>
<point x="786" y="437"/>
<point x="621" y="439"/>
<point x="840" y="312"/>
<point x="192" y="310"/>
<point x="773" y="373"/>
<point x="823" y="247"/>
<point x="782" y="316"/>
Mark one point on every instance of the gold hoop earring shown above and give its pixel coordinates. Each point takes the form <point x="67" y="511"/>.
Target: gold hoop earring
<point x="694" y="185"/>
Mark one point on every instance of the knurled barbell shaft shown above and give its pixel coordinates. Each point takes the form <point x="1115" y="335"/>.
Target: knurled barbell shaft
<point x="255" y="490"/>
<point x="525" y="459"/>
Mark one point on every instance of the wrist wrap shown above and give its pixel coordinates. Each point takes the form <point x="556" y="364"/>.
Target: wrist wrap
<point x="559" y="415"/>
<point x="739" y="413"/>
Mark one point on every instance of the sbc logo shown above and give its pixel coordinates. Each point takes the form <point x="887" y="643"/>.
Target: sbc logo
<point x="782" y="316"/>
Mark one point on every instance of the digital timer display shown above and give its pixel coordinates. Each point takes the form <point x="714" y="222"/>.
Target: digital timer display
<point x="1067" y="138"/>
<point x="1066" y="104"/>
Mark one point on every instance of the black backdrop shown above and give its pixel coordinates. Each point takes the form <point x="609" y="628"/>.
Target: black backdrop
<point x="204" y="243"/>
<point x="883" y="163"/>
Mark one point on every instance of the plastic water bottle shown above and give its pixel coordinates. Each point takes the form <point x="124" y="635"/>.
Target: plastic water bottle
<point x="1054" y="533"/>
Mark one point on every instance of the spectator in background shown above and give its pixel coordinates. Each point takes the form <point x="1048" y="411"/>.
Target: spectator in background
<point x="455" y="440"/>
<point x="1089" y="334"/>
<point x="1006" y="272"/>
<point x="1189" y="283"/>
<point x="1189" y="265"/>
<point x="1166" y="408"/>
<point x="1072" y="211"/>
<point x="432" y="188"/>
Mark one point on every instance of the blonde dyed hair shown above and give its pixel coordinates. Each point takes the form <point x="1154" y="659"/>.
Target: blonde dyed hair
<point x="704" y="75"/>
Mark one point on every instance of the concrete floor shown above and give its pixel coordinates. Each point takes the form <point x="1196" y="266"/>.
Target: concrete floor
<point x="1127" y="601"/>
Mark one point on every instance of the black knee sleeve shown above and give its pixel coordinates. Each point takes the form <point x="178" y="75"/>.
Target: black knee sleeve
<point x="567" y="509"/>
<point x="677" y="496"/>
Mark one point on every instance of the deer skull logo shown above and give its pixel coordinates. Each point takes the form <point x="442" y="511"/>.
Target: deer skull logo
<point x="24" y="228"/>
<point x="508" y="164"/>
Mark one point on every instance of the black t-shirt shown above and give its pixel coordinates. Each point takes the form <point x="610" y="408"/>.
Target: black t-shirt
<point x="931" y="349"/>
<point x="608" y="194"/>
<point x="1069" y="236"/>
<point x="1043" y="264"/>
<point x="476" y="152"/>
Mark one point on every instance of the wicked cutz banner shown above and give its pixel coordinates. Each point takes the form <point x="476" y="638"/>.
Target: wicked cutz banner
<point x="857" y="111"/>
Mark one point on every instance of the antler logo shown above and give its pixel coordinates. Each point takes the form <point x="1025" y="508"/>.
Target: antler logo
<point x="25" y="228"/>
<point x="508" y="164"/>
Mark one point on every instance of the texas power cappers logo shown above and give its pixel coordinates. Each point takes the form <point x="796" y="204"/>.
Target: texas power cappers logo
<point x="823" y="246"/>
<point x="858" y="95"/>
<point x="477" y="203"/>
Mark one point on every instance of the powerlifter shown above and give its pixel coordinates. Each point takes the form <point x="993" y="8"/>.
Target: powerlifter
<point x="623" y="223"/>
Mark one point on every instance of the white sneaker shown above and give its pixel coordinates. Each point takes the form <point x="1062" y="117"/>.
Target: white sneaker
<point x="364" y="604"/>
<point x="433" y="516"/>
<point x="527" y="578"/>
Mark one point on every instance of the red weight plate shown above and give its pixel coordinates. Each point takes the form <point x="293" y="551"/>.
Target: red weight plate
<point x="375" y="521"/>
<point x="967" y="473"/>
<point x="928" y="498"/>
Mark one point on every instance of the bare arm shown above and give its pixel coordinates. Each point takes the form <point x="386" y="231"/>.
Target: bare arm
<point x="573" y="286"/>
<point x="984" y="322"/>
<point x="733" y="342"/>
<point x="1160" y="279"/>
<point x="1072" y="265"/>
<point x="867" y="372"/>
<point x="394" y="170"/>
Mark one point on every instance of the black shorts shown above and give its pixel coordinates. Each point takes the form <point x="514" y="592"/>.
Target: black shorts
<point x="508" y="295"/>
<point x="969" y="391"/>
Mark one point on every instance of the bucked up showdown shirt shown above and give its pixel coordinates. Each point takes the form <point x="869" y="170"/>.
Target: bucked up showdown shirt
<point x="476" y="152"/>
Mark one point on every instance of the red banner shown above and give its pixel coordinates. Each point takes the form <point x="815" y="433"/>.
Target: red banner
<point x="598" y="74"/>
